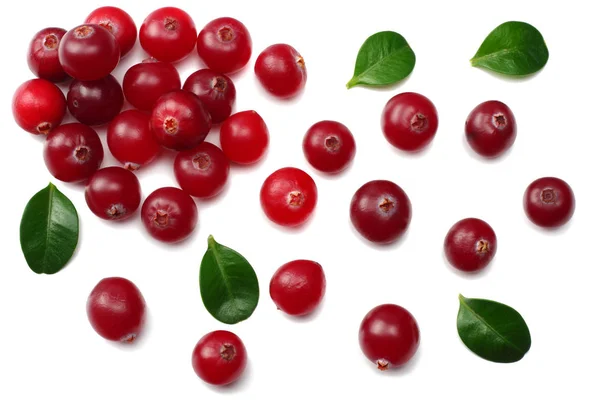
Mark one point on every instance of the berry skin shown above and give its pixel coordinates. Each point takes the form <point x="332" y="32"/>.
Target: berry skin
<point x="113" y="193"/>
<point x="389" y="336"/>
<point x="225" y="45"/>
<point x="168" y="34"/>
<point x="116" y="310"/>
<point x="409" y="121"/>
<point x="470" y="245"/>
<point x="95" y="102"/>
<point x="88" y="52"/>
<point x="549" y="202"/>
<point x="203" y="171"/>
<point x="288" y="196"/>
<point x="381" y="211"/>
<point x="281" y="70"/>
<point x="38" y="106"/>
<point x="298" y="287"/>
<point x="169" y="215"/>
<point x="117" y="22"/>
<point x="145" y="82"/>
<point x="329" y="146"/>
<point x="244" y="137"/>
<point x="491" y="129"/>
<point x="131" y="141"/>
<point x="219" y="358"/>
<point x="42" y="56"/>
<point x="216" y="91"/>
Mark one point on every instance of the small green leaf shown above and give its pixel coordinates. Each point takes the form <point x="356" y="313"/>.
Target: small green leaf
<point x="49" y="231"/>
<point x="228" y="284"/>
<point x="383" y="59"/>
<point x="493" y="331"/>
<point x="513" y="48"/>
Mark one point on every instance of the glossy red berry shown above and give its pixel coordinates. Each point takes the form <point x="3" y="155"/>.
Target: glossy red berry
<point x="113" y="193"/>
<point x="219" y="358"/>
<point x="145" y="82"/>
<point x="329" y="146"/>
<point x="42" y="56"/>
<point x="116" y="309"/>
<point x="215" y="90"/>
<point x="203" y="171"/>
<point x="117" y="22"/>
<point x="491" y="129"/>
<point x="281" y="70"/>
<point x="38" y="106"/>
<point x="88" y="52"/>
<point x="389" y="336"/>
<point x="244" y="137"/>
<point x="470" y="245"/>
<point x="95" y="102"/>
<point x="169" y="215"/>
<point x="549" y="202"/>
<point x="288" y="196"/>
<point x="168" y="34"/>
<point x="380" y="211"/>
<point x="131" y="141"/>
<point x="298" y="287"/>
<point x="224" y="45"/>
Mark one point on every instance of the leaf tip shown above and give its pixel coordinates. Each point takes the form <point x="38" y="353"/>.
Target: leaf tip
<point x="211" y="239"/>
<point x="461" y="298"/>
<point x="351" y="83"/>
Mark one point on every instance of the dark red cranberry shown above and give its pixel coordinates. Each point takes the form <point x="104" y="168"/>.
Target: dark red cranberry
<point x="244" y="137"/>
<point x="281" y="70"/>
<point x="329" y="146"/>
<point x="95" y="102"/>
<point x="169" y="215"/>
<point x="219" y="358"/>
<point x="168" y="34"/>
<point x="117" y="22"/>
<point x="42" y="56"/>
<point x="224" y="45"/>
<point x="298" y="287"/>
<point x="131" y="141"/>
<point x="470" y="245"/>
<point x="113" y="193"/>
<point x="144" y="83"/>
<point x="491" y="129"/>
<point x="203" y="171"/>
<point x="216" y="91"/>
<point x="38" y="106"/>
<point x="549" y="202"/>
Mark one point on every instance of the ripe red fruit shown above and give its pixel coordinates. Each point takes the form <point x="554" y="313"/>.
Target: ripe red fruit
<point x="203" y="171"/>
<point x="329" y="146"/>
<point x="144" y="83"/>
<point x="169" y="215"/>
<point x="131" y="141"/>
<point x="216" y="91"/>
<point x="244" y="137"/>
<point x="95" y="102"/>
<point x="298" y="287"/>
<point x="219" y="358"/>
<point x="116" y="310"/>
<point x="38" y="106"/>
<point x="224" y="45"/>
<point x="380" y="211"/>
<point x="549" y="202"/>
<point x="470" y="245"/>
<point x="491" y="129"/>
<point x="168" y="34"/>
<point x="42" y="56"/>
<point x="389" y="336"/>
<point x="117" y="22"/>
<point x="113" y="193"/>
<point x="281" y="70"/>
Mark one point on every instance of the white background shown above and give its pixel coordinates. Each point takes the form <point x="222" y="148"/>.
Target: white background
<point x="48" y="350"/>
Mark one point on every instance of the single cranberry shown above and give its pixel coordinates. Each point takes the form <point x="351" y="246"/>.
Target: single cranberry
<point x="95" y="102"/>
<point x="329" y="146"/>
<point x="288" y="196"/>
<point x="89" y="52"/>
<point x="117" y="22"/>
<point x="168" y="34"/>
<point x="215" y="90"/>
<point x="219" y="358"/>
<point x="116" y="309"/>
<point x="113" y="193"/>
<point x="42" y="56"/>
<point x="131" y="141"/>
<point x="244" y="137"/>
<point x="389" y="336"/>
<point x="202" y="171"/>
<point x="470" y="245"/>
<point x="225" y="45"/>
<point x="281" y="70"/>
<point x="491" y="129"/>
<point x="380" y="211"/>
<point x="73" y="152"/>
<point x="298" y="287"/>
<point x="549" y="202"/>
<point x="169" y="215"/>
<point x="144" y="83"/>
<point x="38" y="106"/>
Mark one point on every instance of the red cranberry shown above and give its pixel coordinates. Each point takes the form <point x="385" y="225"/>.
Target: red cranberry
<point x="144" y="83"/>
<point x="288" y="196"/>
<point x="38" y="106"/>
<point x="95" y="102"/>
<point x="329" y="146"/>
<point x="117" y="22"/>
<point x="169" y="215"/>
<point x="470" y="245"/>
<point x="73" y="152"/>
<point x="116" y="310"/>
<point x="113" y="193"/>
<point x="224" y="45"/>
<point x="244" y="137"/>
<point x="281" y="70"/>
<point x="216" y="91"/>
<point x="88" y="52"/>
<point x="491" y="129"/>
<point x="42" y="56"/>
<point x="131" y="141"/>
<point x="409" y="121"/>
<point x="203" y="171"/>
<point x="219" y="358"/>
<point x="389" y="336"/>
<point x="380" y="211"/>
<point x="549" y="202"/>
<point x="168" y="34"/>
<point x="298" y="287"/>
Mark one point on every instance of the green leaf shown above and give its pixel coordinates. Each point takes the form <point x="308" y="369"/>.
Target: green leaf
<point x="228" y="284"/>
<point x="493" y="331"/>
<point x="49" y="231"/>
<point x="383" y="59"/>
<point x="513" y="48"/>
